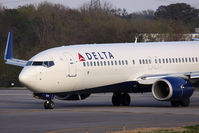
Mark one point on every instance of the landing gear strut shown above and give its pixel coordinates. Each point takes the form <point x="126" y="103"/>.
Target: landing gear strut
<point x="48" y="104"/>
<point x="121" y="99"/>
<point x="183" y="103"/>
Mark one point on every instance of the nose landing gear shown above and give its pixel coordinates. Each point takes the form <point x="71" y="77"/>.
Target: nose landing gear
<point x="49" y="104"/>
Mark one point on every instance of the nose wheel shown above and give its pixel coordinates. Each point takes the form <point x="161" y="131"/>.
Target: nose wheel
<point x="49" y="104"/>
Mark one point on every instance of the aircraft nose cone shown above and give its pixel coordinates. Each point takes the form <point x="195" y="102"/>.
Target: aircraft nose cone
<point x="27" y="77"/>
<point x="23" y="78"/>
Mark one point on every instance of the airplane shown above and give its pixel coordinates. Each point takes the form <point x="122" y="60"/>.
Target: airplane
<point x="170" y="70"/>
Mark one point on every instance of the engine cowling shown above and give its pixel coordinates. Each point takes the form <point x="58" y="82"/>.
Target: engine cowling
<point x="72" y="96"/>
<point x="172" y="88"/>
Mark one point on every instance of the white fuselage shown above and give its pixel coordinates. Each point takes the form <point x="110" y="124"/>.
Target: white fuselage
<point x="82" y="67"/>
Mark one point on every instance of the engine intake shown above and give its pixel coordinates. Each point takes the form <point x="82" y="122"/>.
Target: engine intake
<point x="172" y="88"/>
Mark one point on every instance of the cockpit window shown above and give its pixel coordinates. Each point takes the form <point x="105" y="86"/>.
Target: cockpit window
<point x="40" y="63"/>
<point x="37" y="63"/>
<point x="51" y="63"/>
<point x="46" y="63"/>
<point x="29" y="63"/>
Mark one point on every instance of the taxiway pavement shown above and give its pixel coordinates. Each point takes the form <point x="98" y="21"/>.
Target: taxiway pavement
<point x="20" y="112"/>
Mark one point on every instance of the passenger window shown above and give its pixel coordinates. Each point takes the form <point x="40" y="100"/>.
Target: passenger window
<point x="159" y="60"/>
<point x="192" y="59"/>
<point x="84" y="64"/>
<point x="170" y="61"/>
<point x="94" y="63"/>
<point x="139" y="61"/>
<point x="179" y="60"/>
<point x="97" y="63"/>
<point x="173" y="60"/>
<point x="119" y="62"/>
<point x="101" y="63"/>
<point x="149" y="61"/>
<point x="126" y="62"/>
<point x="91" y="63"/>
<point x="176" y="60"/>
<point x="163" y="61"/>
<point x="186" y="60"/>
<point x="112" y="63"/>
<point x="115" y="62"/>
<point x="146" y="61"/>
<point x="167" y="60"/>
<point x="108" y="63"/>
<point x="123" y="62"/>
<point x="196" y="59"/>
<point x="182" y="60"/>
<point x="88" y="64"/>
<point x="189" y="59"/>
<point x="156" y="61"/>
<point x="143" y="61"/>
<point x="104" y="63"/>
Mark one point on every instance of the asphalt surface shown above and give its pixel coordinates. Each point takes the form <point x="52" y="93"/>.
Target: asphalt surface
<point x="20" y="112"/>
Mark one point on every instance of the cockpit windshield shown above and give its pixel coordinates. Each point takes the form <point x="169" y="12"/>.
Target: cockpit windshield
<point x="41" y="63"/>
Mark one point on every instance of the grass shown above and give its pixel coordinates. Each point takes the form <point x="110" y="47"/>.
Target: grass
<point x="187" y="129"/>
<point x="192" y="129"/>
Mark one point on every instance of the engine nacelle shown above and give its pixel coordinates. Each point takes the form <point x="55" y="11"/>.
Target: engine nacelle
<point x="72" y="96"/>
<point x="172" y="88"/>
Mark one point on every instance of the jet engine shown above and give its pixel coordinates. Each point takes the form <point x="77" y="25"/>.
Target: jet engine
<point x="65" y="96"/>
<point x="172" y="88"/>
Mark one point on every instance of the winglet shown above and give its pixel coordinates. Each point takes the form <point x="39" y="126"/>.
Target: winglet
<point x="9" y="48"/>
<point x="8" y="56"/>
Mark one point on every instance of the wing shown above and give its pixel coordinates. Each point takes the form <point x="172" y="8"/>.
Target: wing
<point x="150" y="79"/>
<point x="8" y="57"/>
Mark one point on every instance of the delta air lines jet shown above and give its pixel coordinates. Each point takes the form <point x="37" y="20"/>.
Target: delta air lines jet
<point x="170" y="70"/>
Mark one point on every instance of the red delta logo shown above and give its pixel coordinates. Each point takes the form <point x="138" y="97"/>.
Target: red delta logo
<point x="96" y="56"/>
<point x="81" y="58"/>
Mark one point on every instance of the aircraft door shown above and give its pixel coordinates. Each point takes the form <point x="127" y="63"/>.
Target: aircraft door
<point x="150" y="65"/>
<point x="72" y="67"/>
<point x="155" y="63"/>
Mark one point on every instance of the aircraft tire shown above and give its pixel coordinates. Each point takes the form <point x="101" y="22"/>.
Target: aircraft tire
<point x="185" y="102"/>
<point x="49" y="105"/>
<point x="46" y="105"/>
<point x="126" y="99"/>
<point x="175" y="103"/>
<point x="116" y="99"/>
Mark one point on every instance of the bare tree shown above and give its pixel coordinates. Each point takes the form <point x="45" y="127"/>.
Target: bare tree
<point x="95" y="4"/>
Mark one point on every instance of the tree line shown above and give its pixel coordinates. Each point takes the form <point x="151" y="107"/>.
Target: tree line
<point x="47" y="25"/>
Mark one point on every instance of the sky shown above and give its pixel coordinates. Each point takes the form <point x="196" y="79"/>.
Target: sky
<point x="129" y="5"/>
